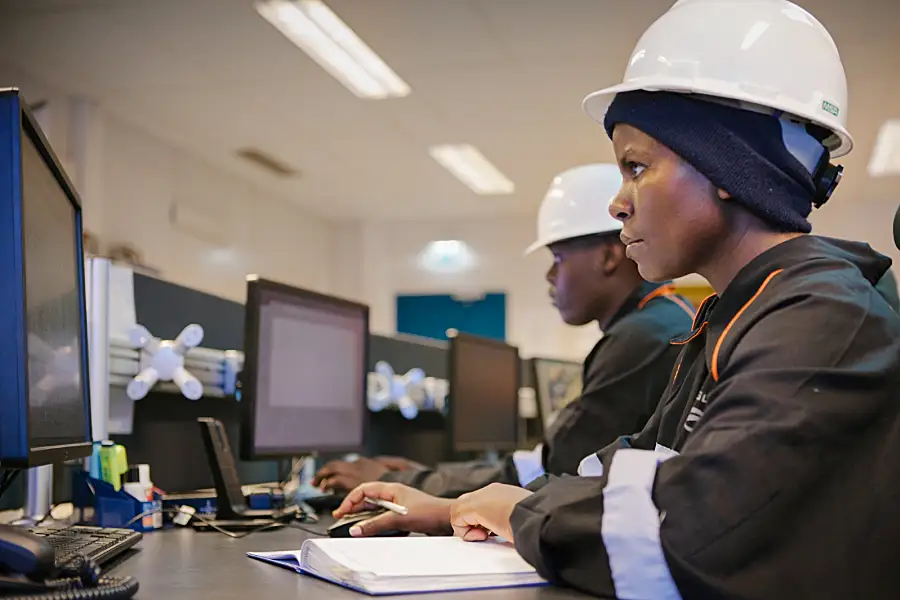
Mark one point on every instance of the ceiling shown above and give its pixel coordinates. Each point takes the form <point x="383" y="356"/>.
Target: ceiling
<point x="508" y="76"/>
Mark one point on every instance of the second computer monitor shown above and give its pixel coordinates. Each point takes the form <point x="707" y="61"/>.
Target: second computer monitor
<point x="304" y="377"/>
<point x="484" y="394"/>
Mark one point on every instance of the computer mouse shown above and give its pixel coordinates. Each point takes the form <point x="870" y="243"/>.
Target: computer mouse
<point x="341" y="527"/>
<point x="25" y="553"/>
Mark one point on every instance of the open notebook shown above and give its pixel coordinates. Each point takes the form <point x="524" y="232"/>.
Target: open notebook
<point x="408" y="565"/>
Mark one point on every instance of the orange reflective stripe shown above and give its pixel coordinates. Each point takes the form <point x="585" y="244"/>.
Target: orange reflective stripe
<point x="675" y="377"/>
<point x="684" y="305"/>
<point x="715" y="356"/>
<point x="667" y="291"/>
<point x="663" y="290"/>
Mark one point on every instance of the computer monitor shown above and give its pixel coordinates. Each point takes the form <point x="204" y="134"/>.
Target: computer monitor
<point x="484" y="394"/>
<point x="303" y="386"/>
<point x="44" y="389"/>
<point x="558" y="383"/>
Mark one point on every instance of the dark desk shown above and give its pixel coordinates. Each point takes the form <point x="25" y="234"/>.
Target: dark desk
<point x="186" y="565"/>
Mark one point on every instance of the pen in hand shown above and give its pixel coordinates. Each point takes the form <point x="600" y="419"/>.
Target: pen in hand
<point x="395" y="508"/>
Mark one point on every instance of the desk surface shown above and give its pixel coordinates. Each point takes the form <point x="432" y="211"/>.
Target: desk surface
<point x="185" y="564"/>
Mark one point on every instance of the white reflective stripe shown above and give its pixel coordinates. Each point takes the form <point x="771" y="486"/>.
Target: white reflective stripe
<point x="590" y="466"/>
<point x="529" y="464"/>
<point x="631" y="528"/>
<point x="667" y="451"/>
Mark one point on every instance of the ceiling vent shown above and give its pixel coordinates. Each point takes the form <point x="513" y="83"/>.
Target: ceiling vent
<point x="268" y="163"/>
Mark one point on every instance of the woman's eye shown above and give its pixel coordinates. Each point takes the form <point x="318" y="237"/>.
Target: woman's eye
<point x="635" y="169"/>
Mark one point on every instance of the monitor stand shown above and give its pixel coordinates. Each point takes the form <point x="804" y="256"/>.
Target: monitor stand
<point x="230" y="502"/>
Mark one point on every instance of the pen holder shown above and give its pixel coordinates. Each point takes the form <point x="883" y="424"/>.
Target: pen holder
<point x="114" y="508"/>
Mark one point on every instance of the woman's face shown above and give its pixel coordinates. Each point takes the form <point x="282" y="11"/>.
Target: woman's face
<point x="672" y="217"/>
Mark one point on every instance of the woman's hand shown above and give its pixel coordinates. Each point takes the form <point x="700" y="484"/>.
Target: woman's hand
<point x="476" y="516"/>
<point x="427" y="514"/>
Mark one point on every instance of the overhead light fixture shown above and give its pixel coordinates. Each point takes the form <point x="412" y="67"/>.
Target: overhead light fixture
<point x="316" y="30"/>
<point x="886" y="156"/>
<point x="472" y="168"/>
<point x="447" y="256"/>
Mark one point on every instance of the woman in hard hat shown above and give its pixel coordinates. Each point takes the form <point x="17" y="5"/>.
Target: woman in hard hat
<point x="591" y="281"/>
<point x="770" y="469"/>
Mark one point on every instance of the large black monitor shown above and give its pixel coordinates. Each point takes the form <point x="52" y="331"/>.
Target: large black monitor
<point x="305" y="369"/>
<point x="484" y="394"/>
<point x="44" y="389"/>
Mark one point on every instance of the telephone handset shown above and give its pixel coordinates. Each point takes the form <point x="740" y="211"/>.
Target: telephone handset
<point x="28" y="570"/>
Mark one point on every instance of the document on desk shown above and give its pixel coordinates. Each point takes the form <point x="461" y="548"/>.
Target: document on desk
<point x="379" y="566"/>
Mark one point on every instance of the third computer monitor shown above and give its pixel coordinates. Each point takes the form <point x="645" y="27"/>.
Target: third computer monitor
<point x="304" y="377"/>
<point x="484" y="394"/>
<point x="558" y="383"/>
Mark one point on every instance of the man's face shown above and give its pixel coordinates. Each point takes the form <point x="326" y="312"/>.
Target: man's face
<point x="577" y="279"/>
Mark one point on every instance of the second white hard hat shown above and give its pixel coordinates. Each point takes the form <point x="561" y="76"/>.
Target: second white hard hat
<point x="768" y="54"/>
<point x="577" y="204"/>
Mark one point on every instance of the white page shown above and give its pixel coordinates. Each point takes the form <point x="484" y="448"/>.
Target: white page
<point x="424" y="556"/>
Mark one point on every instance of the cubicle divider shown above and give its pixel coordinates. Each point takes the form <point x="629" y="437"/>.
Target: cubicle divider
<point x="165" y="433"/>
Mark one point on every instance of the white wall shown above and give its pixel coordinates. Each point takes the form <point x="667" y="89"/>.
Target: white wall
<point x="129" y="180"/>
<point x="389" y="252"/>
<point x="224" y="228"/>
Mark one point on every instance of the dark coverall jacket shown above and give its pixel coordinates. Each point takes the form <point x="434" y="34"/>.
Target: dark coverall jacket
<point x="623" y="378"/>
<point x="771" y="469"/>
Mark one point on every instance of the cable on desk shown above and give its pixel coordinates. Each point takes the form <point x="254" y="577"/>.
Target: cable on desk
<point x="9" y="476"/>
<point x="210" y="522"/>
<point x="305" y="529"/>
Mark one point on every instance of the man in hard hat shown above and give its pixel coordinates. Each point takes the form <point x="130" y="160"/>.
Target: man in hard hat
<point x="770" y="467"/>
<point x="591" y="281"/>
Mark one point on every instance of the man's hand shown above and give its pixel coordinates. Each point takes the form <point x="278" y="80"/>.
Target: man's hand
<point x="398" y="463"/>
<point x="342" y="475"/>
<point x="476" y="516"/>
<point x="427" y="514"/>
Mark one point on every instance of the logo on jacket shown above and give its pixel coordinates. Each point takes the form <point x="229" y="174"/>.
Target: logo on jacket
<point x="696" y="412"/>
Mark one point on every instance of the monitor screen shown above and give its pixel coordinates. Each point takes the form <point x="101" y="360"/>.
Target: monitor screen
<point x="558" y="383"/>
<point x="484" y="394"/>
<point x="53" y="320"/>
<point x="305" y="372"/>
<point x="44" y="391"/>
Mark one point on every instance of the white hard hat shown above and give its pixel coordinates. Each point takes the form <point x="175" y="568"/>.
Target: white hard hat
<point x="768" y="54"/>
<point x="577" y="204"/>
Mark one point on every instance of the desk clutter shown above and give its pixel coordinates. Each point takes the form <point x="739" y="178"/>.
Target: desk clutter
<point x="304" y="376"/>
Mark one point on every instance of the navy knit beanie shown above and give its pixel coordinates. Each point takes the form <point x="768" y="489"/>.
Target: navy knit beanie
<point x="739" y="151"/>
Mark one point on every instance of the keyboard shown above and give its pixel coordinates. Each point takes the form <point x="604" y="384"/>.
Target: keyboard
<point x="100" y="543"/>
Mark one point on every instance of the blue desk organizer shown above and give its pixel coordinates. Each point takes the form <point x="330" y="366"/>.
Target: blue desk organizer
<point x="113" y="508"/>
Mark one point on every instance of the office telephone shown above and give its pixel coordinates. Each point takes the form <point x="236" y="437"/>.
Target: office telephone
<point x="28" y="569"/>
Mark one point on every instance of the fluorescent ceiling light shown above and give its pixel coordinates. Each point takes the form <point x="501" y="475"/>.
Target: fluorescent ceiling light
<point x="472" y="168"/>
<point x="886" y="156"/>
<point x="316" y="30"/>
<point x="447" y="256"/>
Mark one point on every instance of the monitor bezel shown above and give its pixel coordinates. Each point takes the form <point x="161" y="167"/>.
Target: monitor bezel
<point x="15" y="430"/>
<point x="452" y="372"/>
<point x="256" y="288"/>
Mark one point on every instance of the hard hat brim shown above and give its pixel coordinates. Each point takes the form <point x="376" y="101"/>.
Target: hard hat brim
<point x="534" y="247"/>
<point x="596" y="104"/>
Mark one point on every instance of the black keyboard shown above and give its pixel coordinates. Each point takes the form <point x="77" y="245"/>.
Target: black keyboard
<point x="100" y="543"/>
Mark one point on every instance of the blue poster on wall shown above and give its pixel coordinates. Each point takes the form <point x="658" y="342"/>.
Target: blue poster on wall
<point x="432" y="315"/>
